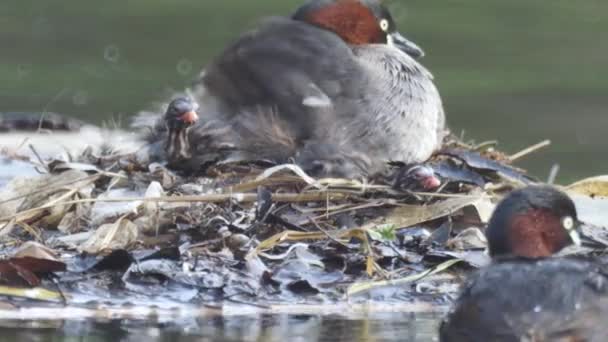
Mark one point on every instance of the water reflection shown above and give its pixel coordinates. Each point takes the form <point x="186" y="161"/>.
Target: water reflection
<point x="297" y="328"/>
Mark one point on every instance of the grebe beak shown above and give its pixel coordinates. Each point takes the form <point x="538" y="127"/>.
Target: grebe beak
<point x="189" y="117"/>
<point x="400" y="42"/>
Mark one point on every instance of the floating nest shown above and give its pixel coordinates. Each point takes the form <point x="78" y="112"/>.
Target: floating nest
<point x="110" y="228"/>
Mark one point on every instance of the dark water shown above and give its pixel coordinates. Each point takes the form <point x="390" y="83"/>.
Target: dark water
<point x="297" y="328"/>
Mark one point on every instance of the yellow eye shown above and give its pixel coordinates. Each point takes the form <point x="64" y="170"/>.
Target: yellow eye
<point x="384" y="25"/>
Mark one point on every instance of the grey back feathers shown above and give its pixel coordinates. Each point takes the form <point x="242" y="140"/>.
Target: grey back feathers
<point x="292" y="90"/>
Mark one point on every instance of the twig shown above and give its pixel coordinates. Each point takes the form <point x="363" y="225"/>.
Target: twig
<point x="530" y="150"/>
<point x="49" y="189"/>
<point x="553" y="174"/>
<point x="53" y="203"/>
<point x="36" y="234"/>
<point x="40" y="160"/>
<point x="59" y="185"/>
<point x="312" y="220"/>
<point x="439" y="195"/>
<point x="367" y="286"/>
<point x="213" y="198"/>
<point x="485" y="144"/>
<point x="328" y="213"/>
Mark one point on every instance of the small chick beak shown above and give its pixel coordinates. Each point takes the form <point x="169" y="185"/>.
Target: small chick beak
<point x="189" y="117"/>
<point x="400" y="42"/>
<point x="419" y="177"/>
<point x="431" y="183"/>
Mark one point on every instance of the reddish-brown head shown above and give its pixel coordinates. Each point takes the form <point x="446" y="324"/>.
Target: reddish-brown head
<point x="533" y="222"/>
<point x="357" y="22"/>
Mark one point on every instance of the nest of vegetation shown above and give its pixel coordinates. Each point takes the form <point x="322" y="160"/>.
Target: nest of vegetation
<point x="110" y="226"/>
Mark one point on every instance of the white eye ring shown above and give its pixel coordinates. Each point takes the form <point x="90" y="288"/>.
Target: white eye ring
<point x="568" y="223"/>
<point x="384" y="25"/>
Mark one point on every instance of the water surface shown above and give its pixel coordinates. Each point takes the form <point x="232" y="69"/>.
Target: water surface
<point x="296" y="328"/>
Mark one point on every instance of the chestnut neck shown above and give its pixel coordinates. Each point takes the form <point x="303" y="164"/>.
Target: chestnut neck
<point x="354" y="22"/>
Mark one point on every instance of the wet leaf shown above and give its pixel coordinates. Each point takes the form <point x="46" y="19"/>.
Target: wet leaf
<point x="119" y="260"/>
<point x="475" y="258"/>
<point x="470" y="238"/>
<point x="171" y="253"/>
<point x="255" y="266"/>
<point x="35" y="250"/>
<point x="58" y="166"/>
<point x="117" y="235"/>
<point x="440" y="236"/>
<point x="450" y="172"/>
<point x="37" y="293"/>
<point x="367" y="286"/>
<point x="304" y="278"/>
<point x="166" y="278"/>
<point x="150" y="218"/>
<point x="302" y="287"/>
<point x="300" y="250"/>
<point x="479" y="162"/>
<point x="264" y="203"/>
<point x="104" y="211"/>
<point x="25" y="270"/>
<point x="39" y="200"/>
<point x="288" y="236"/>
<point x="70" y="223"/>
<point x="409" y="215"/>
<point x="154" y="190"/>
<point x="164" y="267"/>
<point x="484" y="207"/>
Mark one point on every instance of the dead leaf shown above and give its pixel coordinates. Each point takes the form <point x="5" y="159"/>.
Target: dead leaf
<point x="117" y="235"/>
<point x="37" y="293"/>
<point x="367" y="286"/>
<point x="470" y="238"/>
<point x="35" y="250"/>
<point x="484" y="207"/>
<point x="24" y="270"/>
<point x="70" y="223"/>
<point x="594" y="186"/>
<point x="40" y="199"/>
<point x="409" y="215"/>
<point x="105" y="211"/>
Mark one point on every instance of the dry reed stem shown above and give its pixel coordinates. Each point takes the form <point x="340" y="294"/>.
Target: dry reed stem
<point x="529" y="150"/>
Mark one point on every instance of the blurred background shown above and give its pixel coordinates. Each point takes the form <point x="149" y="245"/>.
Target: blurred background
<point x="517" y="71"/>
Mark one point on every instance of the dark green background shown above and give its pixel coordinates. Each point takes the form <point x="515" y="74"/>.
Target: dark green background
<point x="518" y="71"/>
